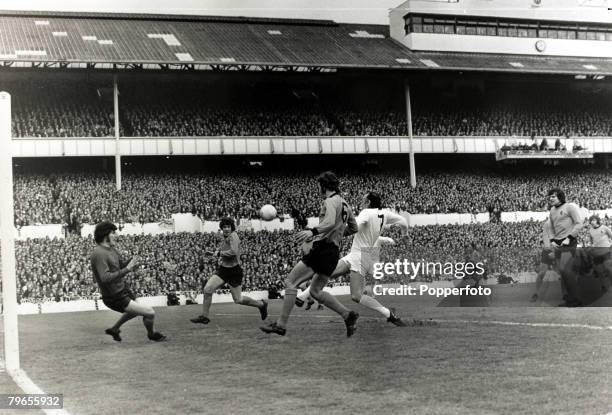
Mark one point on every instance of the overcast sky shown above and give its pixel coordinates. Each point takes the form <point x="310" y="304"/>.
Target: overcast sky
<point x="348" y="11"/>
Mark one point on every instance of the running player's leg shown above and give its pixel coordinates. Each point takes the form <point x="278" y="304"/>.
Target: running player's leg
<point x="316" y="290"/>
<point x="342" y="268"/>
<point x="125" y="317"/>
<point x="148" y="318"/>
<point x="212" y="285"/>
<point x="303" y="296"/>
<point x="569" y="278"/>
<point x="542" y="269"/>
<point x="241" y="299"/>
<point x="300" y="273"/>
<point x="357" y="286"/>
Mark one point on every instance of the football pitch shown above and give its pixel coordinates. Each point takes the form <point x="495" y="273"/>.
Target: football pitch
<point x="502" y="360"/>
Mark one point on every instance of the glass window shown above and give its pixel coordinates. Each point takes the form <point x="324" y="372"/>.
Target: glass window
<point x="532" y="30"/>
<point x="493" y="27"/>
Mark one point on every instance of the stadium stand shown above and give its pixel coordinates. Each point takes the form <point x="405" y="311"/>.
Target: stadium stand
<point x="60" y="109"/>
<point x="89" y="198"/>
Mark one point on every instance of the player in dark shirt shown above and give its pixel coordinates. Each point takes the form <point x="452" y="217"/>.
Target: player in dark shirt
<point x="336" y="221"/>
<point x="228" y="272"/>
<point x="109" y="271"/>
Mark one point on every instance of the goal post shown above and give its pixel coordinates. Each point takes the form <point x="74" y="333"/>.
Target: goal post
<point x="7" y="239"/>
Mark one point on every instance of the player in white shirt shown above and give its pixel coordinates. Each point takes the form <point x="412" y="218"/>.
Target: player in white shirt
<point x="364" y="253"/>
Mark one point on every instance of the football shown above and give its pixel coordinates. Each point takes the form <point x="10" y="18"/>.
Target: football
<point x="267" y="212"/>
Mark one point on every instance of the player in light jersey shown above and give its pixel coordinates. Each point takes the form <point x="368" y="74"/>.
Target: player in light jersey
<point x="601" y="237"/>
<point x="546" y="258"/>
<point x="566" y="224"/>
<point x="336" y="220"/>
<point x="364" y="253"/>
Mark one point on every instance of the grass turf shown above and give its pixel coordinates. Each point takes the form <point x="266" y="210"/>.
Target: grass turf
<point x="229" y="366"/>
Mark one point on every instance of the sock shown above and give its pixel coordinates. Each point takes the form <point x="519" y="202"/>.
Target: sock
<point x="206" y="304"/>
<point x="371" y="303"/>
<point x="331" y="302"/>
<point x="290" y="295"/>
<point x="304" y="294"/>
<point x="125" y="317"/>
<point x="148" y="323"/>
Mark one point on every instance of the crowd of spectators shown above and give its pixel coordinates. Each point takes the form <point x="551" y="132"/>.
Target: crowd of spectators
<point x="59" y="109"/>
<point x="498" y="111"/>
<point x="145" y="198"/>
<point x="59" y="269"/>
<point x="507" y="248"/>
<point x="64" y="109"/>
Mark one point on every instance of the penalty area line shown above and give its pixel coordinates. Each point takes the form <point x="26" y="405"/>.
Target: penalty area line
<point x="25" y="383"/>
<point x="483" y="322"/>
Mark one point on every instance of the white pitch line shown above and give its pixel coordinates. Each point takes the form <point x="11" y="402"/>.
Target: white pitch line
<point x="484" y="322"/>
<point x="25" y="383"/>
<point x="527" y="324"/>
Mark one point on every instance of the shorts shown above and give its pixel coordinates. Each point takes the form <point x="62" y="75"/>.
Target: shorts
<point x="232" y="276"/>
<point x="362" y="262"/>
<point x="118" y="302"/>
<point x="546" y="257"/>
<point x="561" y="249"/>
<point x="600" y="254"/>
<point x="322" y="258"/>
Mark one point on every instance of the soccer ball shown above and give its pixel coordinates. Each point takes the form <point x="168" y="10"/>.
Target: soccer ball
<point x="267" y="212"/>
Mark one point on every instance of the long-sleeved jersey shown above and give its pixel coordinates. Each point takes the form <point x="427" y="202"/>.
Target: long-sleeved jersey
<point x="565" y="220"/>
<point x="108" y="270"/>
<point x="229" y="250"/>
<point x="335" y="220"/>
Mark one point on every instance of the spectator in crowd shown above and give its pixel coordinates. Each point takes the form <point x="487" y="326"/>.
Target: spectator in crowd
<point x="75" y="199"/>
